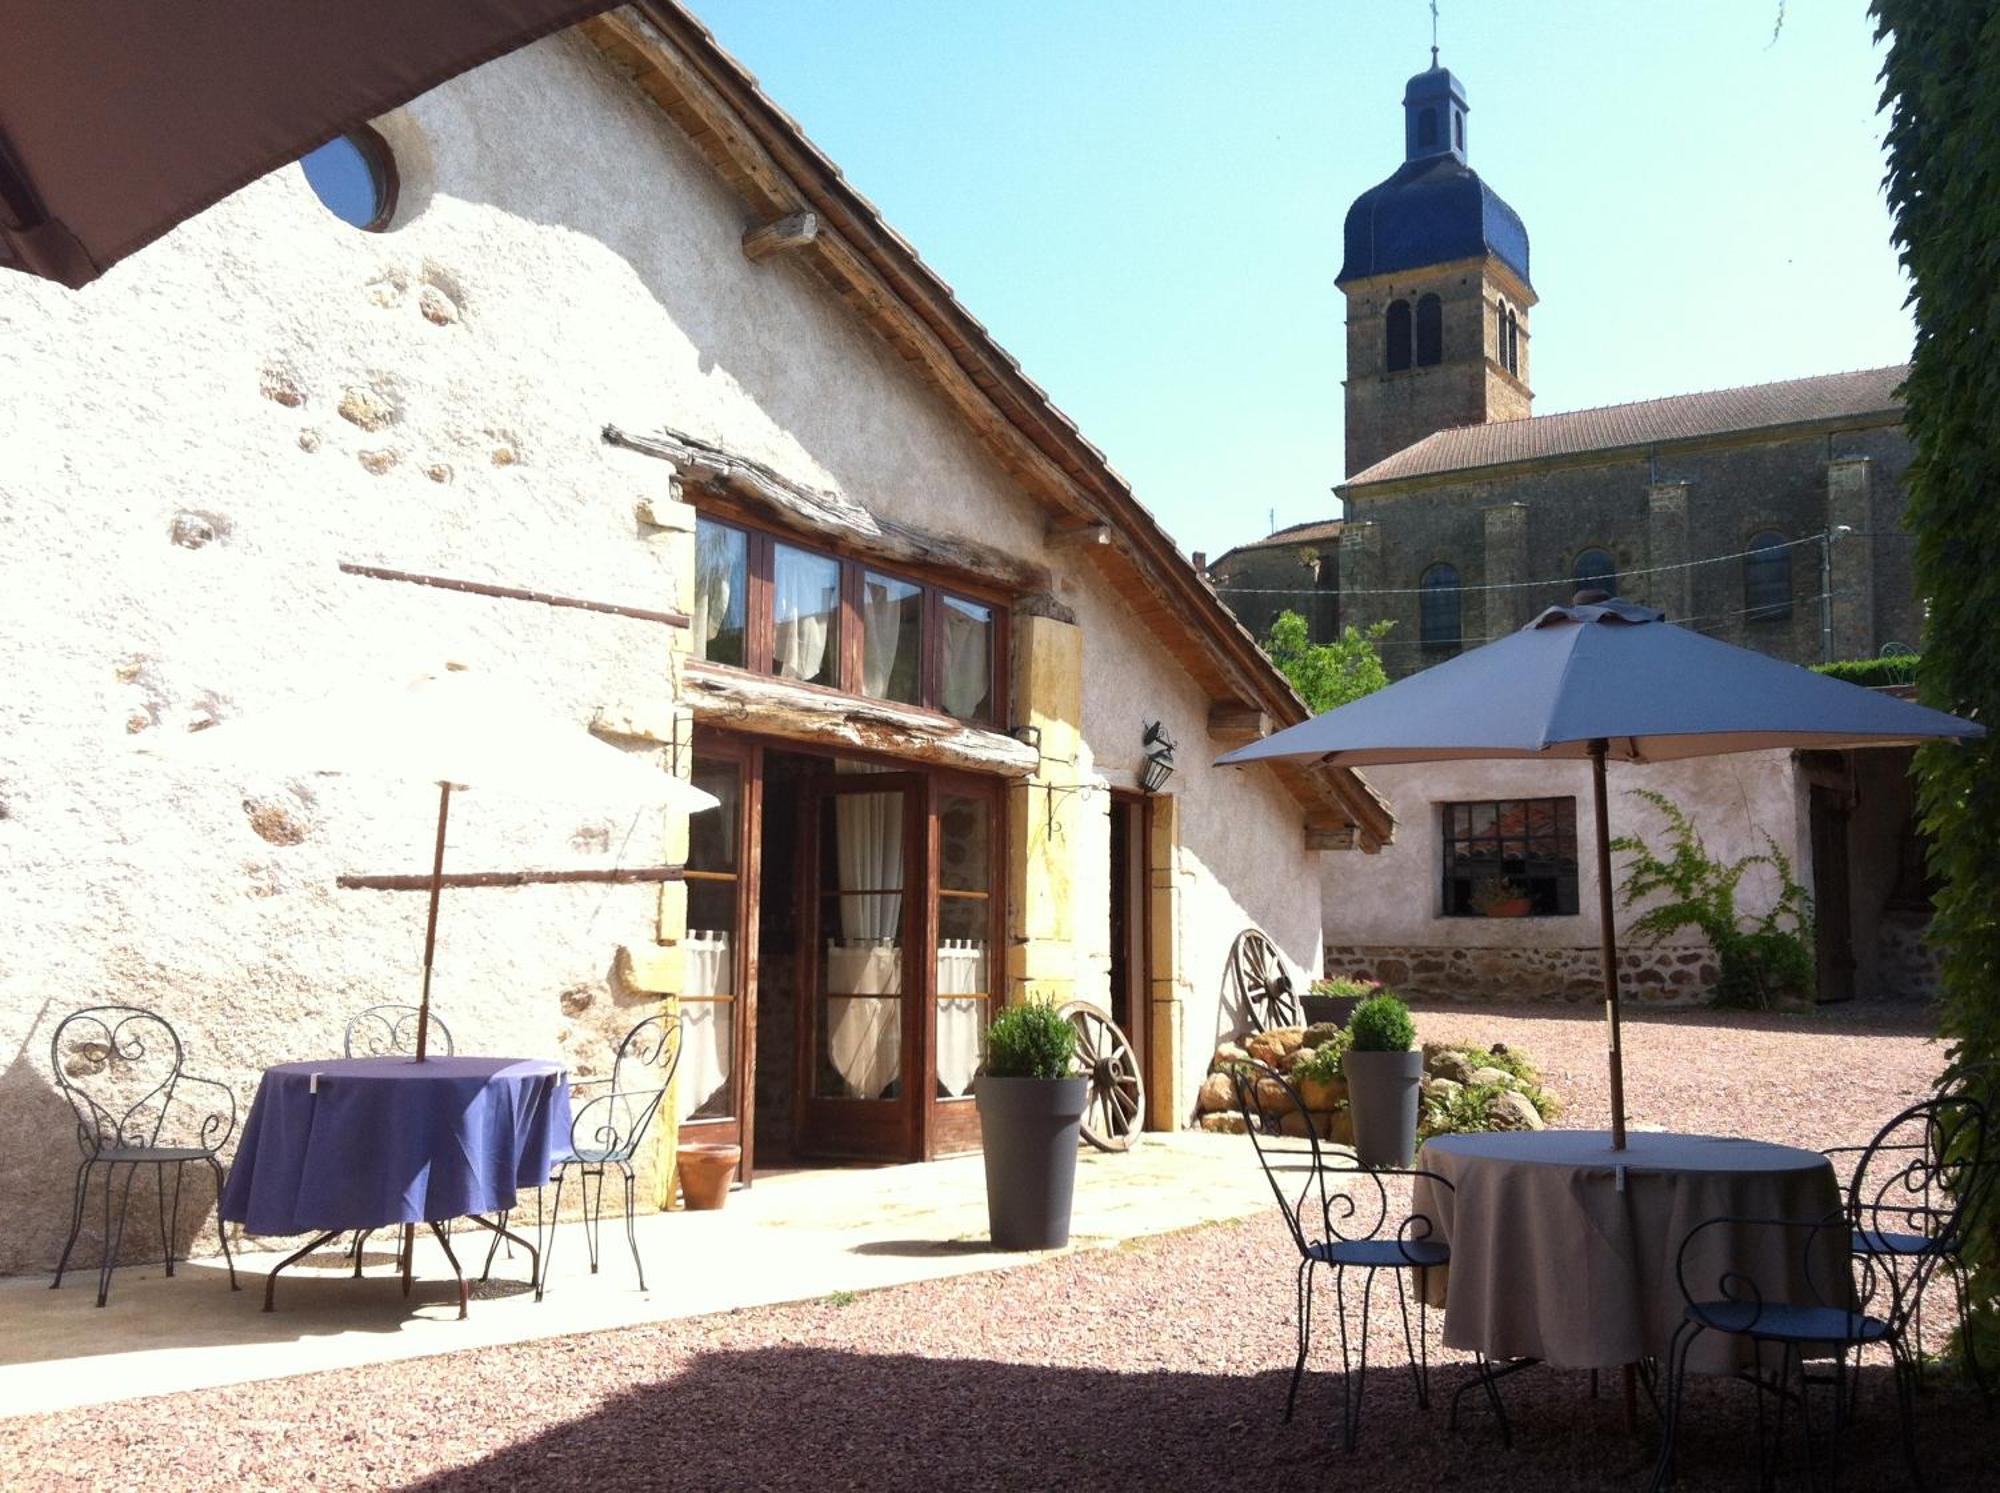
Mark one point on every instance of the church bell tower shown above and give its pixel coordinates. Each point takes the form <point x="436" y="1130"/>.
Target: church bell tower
<point x="1436" y="279"/>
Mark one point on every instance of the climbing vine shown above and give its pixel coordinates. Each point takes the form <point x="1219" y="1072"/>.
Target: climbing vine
<point x="1941" y="84"/>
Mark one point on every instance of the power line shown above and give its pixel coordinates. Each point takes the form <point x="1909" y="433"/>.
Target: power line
<point x="1689" y="622"/>
<point x="1224" y="589"/>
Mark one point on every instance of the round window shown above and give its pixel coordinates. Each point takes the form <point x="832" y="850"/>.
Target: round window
<point x="355" y="176"/>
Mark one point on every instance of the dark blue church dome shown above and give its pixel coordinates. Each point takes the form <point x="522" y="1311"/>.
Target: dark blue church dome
<point x="1435" y="208"/>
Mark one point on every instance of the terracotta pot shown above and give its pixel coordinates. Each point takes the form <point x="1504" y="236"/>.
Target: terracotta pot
<point x="1513" y="907"/>
<point x="706" y="1172"/>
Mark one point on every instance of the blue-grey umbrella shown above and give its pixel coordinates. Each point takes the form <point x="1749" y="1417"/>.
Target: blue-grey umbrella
<point x="1605" y="679"/>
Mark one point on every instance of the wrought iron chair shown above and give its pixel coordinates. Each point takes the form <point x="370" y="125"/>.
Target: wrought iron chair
<point x="1871" y="1304"/>
<point x="1342" y="1215"/>
<point x="605" y="1135"/>
<point x="390" y="1031"/>
<point x="1892" y="1194"/>
<point x="120" y="1068"/>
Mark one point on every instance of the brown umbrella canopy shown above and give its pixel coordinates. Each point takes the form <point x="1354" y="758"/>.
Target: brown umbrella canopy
<point x="119" y="120"/>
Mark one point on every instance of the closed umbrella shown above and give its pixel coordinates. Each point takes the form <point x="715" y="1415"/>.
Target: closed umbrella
<point x="119" y="120"/>
<point x="455" y="728"/>
<point x="1606" y="680"/>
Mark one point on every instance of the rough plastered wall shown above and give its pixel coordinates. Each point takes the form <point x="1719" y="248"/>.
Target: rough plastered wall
<point x="1242" y="860"/>
<point x="1383" y="916"/>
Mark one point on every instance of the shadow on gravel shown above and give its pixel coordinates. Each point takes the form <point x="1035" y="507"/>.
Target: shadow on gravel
<point x="800" y="1417"/>
<point x="1854" y="1018"/>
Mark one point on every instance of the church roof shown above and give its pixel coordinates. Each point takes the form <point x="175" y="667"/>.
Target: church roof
<point x="1432" y="211"/>
<point x="1612" y="427"/>
<point x="1435" y="209"/>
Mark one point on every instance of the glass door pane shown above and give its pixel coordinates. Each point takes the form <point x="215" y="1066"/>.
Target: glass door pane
<point x="706" y="1088"/>
<point x="965" y="924"/>
<point x="858" y="1016"/>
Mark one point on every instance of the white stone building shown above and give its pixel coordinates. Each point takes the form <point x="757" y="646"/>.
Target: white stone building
<point x="612" y="227"/>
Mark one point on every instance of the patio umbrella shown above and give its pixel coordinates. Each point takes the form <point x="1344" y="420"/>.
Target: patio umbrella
<point x="1605" y="679"/>
<point x="457" y="729"/>
<point x="118" y="121"/>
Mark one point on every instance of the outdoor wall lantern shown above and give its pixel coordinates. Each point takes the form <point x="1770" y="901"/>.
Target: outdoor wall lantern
<point x="1159" y="760"/>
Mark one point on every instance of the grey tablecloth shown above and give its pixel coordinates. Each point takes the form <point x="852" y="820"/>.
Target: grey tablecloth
<point x="1563" y="1249"/>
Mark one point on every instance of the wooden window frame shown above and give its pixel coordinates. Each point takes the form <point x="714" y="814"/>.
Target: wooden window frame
<point x="760" y="623"/>
<point x="1564" y="813"/>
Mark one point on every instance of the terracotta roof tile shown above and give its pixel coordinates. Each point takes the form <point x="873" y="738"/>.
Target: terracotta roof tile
<point x="1681" y="417"/>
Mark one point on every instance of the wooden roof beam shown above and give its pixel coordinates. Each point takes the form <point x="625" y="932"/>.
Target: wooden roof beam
<point x="780" y="235"/>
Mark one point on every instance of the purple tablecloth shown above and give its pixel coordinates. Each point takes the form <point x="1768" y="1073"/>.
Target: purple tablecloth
<point x="379" y="1141"/>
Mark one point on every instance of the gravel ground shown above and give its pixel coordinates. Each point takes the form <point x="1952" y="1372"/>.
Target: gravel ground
<point x="1161" y="1365"/>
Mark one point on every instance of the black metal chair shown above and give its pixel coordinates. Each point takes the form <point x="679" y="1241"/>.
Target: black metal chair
<point x="1893" y="1195"/>
<point x="1341" y="1215"/>
<point x="605" y="1135"/>
<point x="391" y="1031"/>
<point x="1847" y="1309"/>
<point x="120" y="1067"/>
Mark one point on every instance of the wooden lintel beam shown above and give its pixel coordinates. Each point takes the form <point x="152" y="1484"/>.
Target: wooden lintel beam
<point x="792" y="231"/>
<point x="1232" y="720"/>
<point x="1329" y="839"/>
<point x="613" y="876"/>
<point x="1079" y="538"/>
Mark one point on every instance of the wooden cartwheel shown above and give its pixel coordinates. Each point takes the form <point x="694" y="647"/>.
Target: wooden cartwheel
<point x="1262" y="988"/>
<point x="1114" y="1114"/>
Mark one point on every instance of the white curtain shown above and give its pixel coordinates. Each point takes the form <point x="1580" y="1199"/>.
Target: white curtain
<point x="804" y="600"/>
<point x="881" y="626"/>
<point x="869" y="835"/>
<point x="714" y="575"/>
<point x="707" y="1026"/>
<point x="968" y="659"/>
<point x="961" y="1021"/>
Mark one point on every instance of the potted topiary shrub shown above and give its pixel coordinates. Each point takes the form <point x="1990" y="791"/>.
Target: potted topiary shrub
<point x="1383" y="1071"/>
<point x="1030" y="1105"/>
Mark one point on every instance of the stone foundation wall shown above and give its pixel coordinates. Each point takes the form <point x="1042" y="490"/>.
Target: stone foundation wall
<point x="1666" y="975"/>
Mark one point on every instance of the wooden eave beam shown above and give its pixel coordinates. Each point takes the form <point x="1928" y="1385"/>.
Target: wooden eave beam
<point x="1234" y="722"/>
<point x="792" y="231"/>
<point x="1078" y="536"/>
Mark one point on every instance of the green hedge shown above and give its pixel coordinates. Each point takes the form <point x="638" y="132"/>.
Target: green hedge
<point x="1898" y="669"/>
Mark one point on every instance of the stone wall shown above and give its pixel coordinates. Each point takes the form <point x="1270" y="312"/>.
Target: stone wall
<point x="1664" y="975"/>
<point x="1906" y="966"/>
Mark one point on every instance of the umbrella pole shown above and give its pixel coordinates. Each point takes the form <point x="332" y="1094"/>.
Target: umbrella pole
<point x="1609" y="933"/>
<point x="431" y="926"/>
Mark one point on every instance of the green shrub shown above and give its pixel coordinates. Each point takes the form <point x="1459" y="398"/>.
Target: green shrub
<point x="1030" y="1040"/>
<point x="1763" y="963"/>
<point x="1381" y="1024"/>
<point x="1339" y="986"/>
<point x="1895" y="669"/>
<point x="1321" y="1064"/>
<point x="1455" y="1111"/>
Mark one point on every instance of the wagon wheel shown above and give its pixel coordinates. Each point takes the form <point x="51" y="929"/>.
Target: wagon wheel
<point x="1116" y="1107"/>
<point x="1262" y="986"/>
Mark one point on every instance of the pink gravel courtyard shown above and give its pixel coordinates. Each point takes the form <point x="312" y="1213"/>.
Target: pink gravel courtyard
<point x="1159" y="1365"/>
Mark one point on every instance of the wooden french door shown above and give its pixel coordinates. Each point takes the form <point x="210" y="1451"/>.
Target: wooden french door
<point x="860" y="1040"/>
<point x="715" y="1090"/>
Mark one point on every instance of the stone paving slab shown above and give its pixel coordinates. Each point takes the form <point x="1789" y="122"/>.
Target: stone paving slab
<point x="793" y="1236"/>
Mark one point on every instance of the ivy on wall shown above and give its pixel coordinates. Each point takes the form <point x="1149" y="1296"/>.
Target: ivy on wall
<point x="1941" y="84"/>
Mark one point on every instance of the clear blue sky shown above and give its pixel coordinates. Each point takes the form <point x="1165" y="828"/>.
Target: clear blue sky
<point x="1142" y="199"/>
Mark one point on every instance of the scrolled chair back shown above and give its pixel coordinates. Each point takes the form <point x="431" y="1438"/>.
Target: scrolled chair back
<point x="1924" y="1172"/>
<point x="1716" y="1274"/>
<point x="1325" y="1192"/>
<point x="120" y="1068"/>
<point x="391" y="1031"/>
<point x="610" y="1126"/>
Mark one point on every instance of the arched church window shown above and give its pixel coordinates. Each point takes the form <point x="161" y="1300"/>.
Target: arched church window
<point x="1767" y="579"/>
<point x="1500" y="333"/>
<point x="1458" y="126"/>
<point x="1439" y="606"/>
<point x="1430" y="331"/>
<point x="1399" y="336"/>
<point x="1513" y="344"/>
<point x="1594" y="570"/>
<point x="1427" y="130"/>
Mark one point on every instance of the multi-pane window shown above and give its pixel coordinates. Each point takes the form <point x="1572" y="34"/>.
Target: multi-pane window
<point x="777" y="608"/>
<point x="1767" y="579"/>
<point x="708" y="994"/>
<point x="1512" y="857"/>
<point x="1439" y="610"/>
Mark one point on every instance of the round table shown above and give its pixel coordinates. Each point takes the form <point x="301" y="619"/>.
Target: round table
<point x="365" y="1143"/>
<point x="1564" y="1250"/>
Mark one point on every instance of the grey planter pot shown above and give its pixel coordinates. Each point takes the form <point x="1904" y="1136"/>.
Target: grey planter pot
<point x="1382" y="1095"/>
<point x="1334" y="1010"/>
<point x="1029" y="1130"/>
